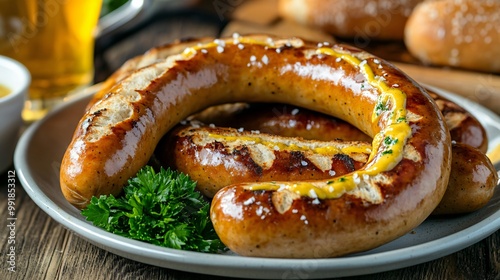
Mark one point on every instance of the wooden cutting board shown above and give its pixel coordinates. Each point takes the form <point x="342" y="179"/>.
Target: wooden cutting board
<point x="261" y="16"/>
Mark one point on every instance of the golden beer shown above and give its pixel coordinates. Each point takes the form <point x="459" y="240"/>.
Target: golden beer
<point x="54" y="39"/>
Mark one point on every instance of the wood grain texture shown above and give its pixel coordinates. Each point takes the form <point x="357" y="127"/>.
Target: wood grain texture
<point x="46" y="250"/>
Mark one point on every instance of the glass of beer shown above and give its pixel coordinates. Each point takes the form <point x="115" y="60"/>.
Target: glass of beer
<point x="54" y="39"/>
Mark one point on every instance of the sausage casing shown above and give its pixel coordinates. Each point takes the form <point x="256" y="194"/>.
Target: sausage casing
<point x="472" y="181"/>
<point x="233" y="156"/>
<point x="400" y="185"/>
<point x="216" y="161"/>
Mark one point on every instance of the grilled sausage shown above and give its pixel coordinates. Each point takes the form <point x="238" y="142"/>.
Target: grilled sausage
<point x="402" y="182"/>
<point x="286" y="120"/>
<point x="472" y="181"/>
<point x="216" y="157"/>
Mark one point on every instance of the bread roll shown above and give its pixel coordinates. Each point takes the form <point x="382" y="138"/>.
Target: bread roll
<point x="362" y="20"/>
<point x="458" y="33"/>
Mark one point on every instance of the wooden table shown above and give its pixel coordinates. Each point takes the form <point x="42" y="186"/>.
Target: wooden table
<point x="44" y="249"/>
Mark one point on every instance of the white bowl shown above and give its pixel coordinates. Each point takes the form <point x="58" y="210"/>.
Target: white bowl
<point x="17" y="78"/>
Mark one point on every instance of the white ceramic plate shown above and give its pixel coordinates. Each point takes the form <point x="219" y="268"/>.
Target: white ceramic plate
<point x="37" y="160"/>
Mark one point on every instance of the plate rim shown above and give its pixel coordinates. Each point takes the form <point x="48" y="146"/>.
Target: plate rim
<point x="239" y="266"/>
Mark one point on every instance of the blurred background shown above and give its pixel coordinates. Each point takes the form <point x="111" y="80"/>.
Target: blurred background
<point x="122" y="29"/>
<point x="445" y="43"/>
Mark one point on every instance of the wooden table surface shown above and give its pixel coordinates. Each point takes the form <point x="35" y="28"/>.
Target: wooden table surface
<point x="44" y="249"/>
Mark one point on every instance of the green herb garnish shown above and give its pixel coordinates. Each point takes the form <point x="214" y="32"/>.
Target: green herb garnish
<point x="160" y="208"/>
<point x="401" y="119"/>
<point x="387" y="152"/>
<point x="380" y="107"/>
<point x="390" y="141"/>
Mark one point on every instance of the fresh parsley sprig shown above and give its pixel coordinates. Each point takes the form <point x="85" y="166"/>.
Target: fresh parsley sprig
<point x="160" y="208"/>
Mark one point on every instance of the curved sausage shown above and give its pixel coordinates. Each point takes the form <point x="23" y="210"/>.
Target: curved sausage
<point x="287" y="120"/>
<point x="402" y="182"/>
<point x="280" y="119"/>
<point x="216" y="157"/>
<point x="472" y="181"/>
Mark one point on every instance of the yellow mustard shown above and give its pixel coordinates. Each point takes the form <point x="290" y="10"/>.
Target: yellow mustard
<point x="387" y="145"/>
<point x="326" y="150"/>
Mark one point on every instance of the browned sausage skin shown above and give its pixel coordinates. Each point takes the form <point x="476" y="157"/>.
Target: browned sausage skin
<point x="215" y="162"/>
<point x="286" y="120"/>
<point x="472" y="181"/>
<point x="217" y="157"/>
<point x="281" y="119"/>
<point x="403" y="181"/>
<point x="464" y="127"/>
<point x="152" y="56"/>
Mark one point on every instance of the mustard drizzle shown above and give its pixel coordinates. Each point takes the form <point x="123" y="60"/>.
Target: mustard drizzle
<point x="325" y="150"/>
<point x="392" y="139"/>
